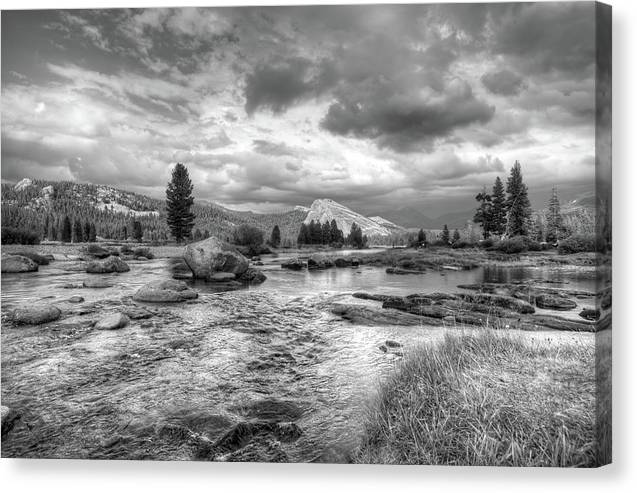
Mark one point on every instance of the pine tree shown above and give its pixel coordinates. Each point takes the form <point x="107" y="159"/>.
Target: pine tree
<point x="517" y="203"/>
<point x="138" y="233"/>
<point x="355" y="237"/>
<point x="86" y="234"/>
<point x="456" y="236"/>
<point x="326" y="233"/>
<point x="336" y="235"/>
<point x="275" y="236"/>
<point x="484" y="213"/>
<point x="303" y="237"/>
<point x="444" y="236"/>
<point x="422" y="238"/>
<point x="78" y="232"/>
<point x="554" y="221"/>
<point x="498" y="208"/>
<point x="92" y="236"/>
<point x="179" y="200"/>
<point x="66" y="233"/>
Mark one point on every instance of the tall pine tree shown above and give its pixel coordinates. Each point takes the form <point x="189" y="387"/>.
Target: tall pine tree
<point x="483" y="214"/>
<point x="275" y="236"/>
<point x="66" y="232"/>
<point x="179" y="200"/>
<point x="444" y="236"/>
<point x="498" y="208"/>
<point x="517" y="204"/>
<point x="554" y="222"/>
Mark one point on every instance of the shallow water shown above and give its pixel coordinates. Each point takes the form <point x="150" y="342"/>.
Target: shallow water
<point x="269" y="350"/>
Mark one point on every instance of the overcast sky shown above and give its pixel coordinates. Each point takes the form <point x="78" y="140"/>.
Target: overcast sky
<point x="377" y="107"/>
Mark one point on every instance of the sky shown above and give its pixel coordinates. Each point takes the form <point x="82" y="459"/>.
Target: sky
<point x="377" y="107"/>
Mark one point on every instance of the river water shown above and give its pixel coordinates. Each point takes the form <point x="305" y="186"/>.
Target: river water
<point x="266" y="352"/>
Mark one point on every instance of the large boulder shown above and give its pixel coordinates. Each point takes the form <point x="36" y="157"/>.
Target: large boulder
<point x="319" y="262"/>
<point x="97" y="251"/>
<point x="36" y="314"/>
<point x="18" y="263"/>
<point x="112" y="322"/>
<point x="110" y="264"/>
<point x="210" y="256"/>
<point x="166" y="291"/>
<point x="35" y="256"/>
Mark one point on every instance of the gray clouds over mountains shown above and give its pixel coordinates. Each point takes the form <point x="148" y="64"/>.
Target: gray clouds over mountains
<point x="270" y="107"/>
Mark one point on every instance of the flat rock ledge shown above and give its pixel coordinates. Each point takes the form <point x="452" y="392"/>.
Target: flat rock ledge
<point x="457" y="309"/>
<point x="165" y="291"/>
<point x="35" y="315"/>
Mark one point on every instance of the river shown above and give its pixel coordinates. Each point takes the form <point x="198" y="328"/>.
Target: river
<point x="266" y="352"/>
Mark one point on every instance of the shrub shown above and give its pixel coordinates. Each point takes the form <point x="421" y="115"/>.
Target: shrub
<point x="249" y="236"/>
<point x="580" y="243"/>
<point x="488" y="243"/>
<point x="462" y="244"/>
<point x="19" y="236"/>
<point x="516" y="244"/>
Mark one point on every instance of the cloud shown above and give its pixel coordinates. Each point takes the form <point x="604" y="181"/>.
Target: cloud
<point x="405" y="120"/>
<point x="503" y="82"/>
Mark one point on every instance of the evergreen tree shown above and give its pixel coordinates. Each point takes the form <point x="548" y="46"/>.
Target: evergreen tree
<point x="275" y="236"/>
<point x="498" y="208"/>
<point x="326" y="233"/>
<point x="179" y="200"/>
<point x="314" y="233"/>
<point x="517" y="203"/>
<point x="484" y="213"/>
<point x="355" y="237"/>
<point x="138" y="233"/>
<point x="197" y="235"/>
<point x="92" y="235"/>
<point x="456" y="235"/>
<point x="86" y="234"/>
<point x="303" y="237"/>
<point x="124" y="233"/>
<point x="78" y="232"/>
<point x="422" y="238"/>
<point x="444" y="236"/>
<point x="66" y="232"/>
<point x="554" y="221"/>
<point x="336" y="235"/>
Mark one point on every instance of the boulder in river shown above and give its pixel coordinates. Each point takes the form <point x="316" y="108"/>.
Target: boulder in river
<point x="210" y="256"/>
<point x="17" y="263"/>
<point x="112" y="322"/>
<point x="75" y="299"/>
<point x="109" y="264"/>
<point x="589" y="314"/>
<point x="293" y="264"/>
<point x="252" y="276"/>
<point x="36" y="314"/>
<point x="35" y="256"/>
<point x="165" y="291"/>
<point x="342" y="262"/>
<point x="97" y="251"/>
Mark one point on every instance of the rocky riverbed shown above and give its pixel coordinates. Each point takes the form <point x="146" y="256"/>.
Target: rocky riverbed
<point x="149" y="363"/>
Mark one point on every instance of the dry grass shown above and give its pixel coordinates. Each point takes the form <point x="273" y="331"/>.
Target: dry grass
<point x="489" y="398"/>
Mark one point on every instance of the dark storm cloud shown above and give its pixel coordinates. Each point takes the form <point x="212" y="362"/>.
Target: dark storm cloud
<point x="503" y="82"/>
<point x="279" y="84"/>
<point x="405" y="121"/>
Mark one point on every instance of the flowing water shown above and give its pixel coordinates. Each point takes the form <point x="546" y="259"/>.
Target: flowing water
<point x="270" y="352"/>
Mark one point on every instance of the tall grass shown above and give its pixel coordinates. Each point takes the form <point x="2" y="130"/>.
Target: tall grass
<point x="488" y="398"/>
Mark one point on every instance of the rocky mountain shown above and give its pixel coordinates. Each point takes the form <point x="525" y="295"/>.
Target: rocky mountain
<point x="326" y="210"/>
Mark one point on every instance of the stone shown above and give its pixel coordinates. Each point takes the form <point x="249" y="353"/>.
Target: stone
<point x="252" y="276"/>
<point x="293" y="264"/>
<point x="97" y="283"/>
<point x="112" y="322"/>
<point x="76" y="299"/>
<point x="110" y="264"/>
<point x="165" y="291"/>
<point x="392" y="344"/>
<point x="8" y="419"/>
<point x="319" y="262"/>
<point x="553" y="302"/>
<point x="142" y="259"/>
<point x="138" y="313"/>
<point x="589" y="314"/>
<point x="35" y="315"/>
<point x="97" y="251"/>
<point x="36" y="257"/>
<point x="210" y="256"/>
<point x="343" y="262"/>
<point x="401" y="271"/>
<point x="16" y="263"/>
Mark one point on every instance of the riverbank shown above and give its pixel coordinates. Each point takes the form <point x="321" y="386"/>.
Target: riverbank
<point x="489" y="398"/>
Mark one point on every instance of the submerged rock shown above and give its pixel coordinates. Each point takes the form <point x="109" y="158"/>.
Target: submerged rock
<point x="112" y="322"/>
<point x="97" y="283"/>
<point x="8" y="418"/>
<point x="75" y="299"/>
<point x="399" y="270"/>
<point x="210" y="256"/>
<point x="165" y="291"/>
<point x="16" y="263"/>
<point x="35" y="315"/>
<point x="293" y="264"/>
<point x="110" y="264"/>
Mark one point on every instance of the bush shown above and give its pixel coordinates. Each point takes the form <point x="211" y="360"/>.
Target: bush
<point x="462" y="244"/>
<point x="488" y="243"/>
<point x="580" y="243"/>
<point x="143" y="252"/>
<point x="250" y="237"/>
<point x="516" y="244"/>
<point x="19" y="236"/>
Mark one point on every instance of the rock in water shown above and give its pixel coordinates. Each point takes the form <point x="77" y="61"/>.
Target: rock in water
<point x="112" y="322"/>
<point x="8" y="418"/>
<point x="293" y="264"/>
<point x="34" y="315"/>
<point x="76" y="299"/>
<point x="167" y="291"/>
<point x="36" y="257"/>
<point x="210" y="256"/>
<point x="252" y="276"/>
<point x="222" y="277"/>
<point x="110" y="264"/>
<point x="18" y="263"/>
<point x="551" y="302"/>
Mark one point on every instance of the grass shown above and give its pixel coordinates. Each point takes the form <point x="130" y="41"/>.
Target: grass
<point x="488" y="398"/>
